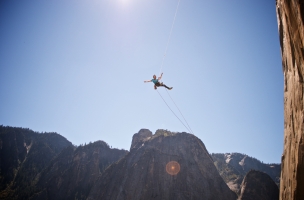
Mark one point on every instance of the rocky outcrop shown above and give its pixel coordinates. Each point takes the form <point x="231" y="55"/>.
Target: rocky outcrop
<point x="165" y="166"/>
<point x="140" y="137"/>
<point x="290" y="16"/>
<point x="234" y="166"/>
<point x="258" y="185"/>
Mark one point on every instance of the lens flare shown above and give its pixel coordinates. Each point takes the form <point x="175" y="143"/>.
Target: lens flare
<point x="172" y="167"/>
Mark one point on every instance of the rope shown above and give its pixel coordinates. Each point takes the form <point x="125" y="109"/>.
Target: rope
<point x="161" y="67"/>
<point x="188" y="128"/>
<point x="180" y="112"/>
<point x="173" y="112"/>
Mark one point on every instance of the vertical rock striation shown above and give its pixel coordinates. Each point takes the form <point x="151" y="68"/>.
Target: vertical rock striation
<point x="290" y="15"/>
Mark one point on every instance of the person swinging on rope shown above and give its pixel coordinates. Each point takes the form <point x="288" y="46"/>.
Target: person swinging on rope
<point x="157" y="82"/>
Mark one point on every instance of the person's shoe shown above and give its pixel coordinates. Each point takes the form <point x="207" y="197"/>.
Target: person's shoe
<point x="170" y="88"/>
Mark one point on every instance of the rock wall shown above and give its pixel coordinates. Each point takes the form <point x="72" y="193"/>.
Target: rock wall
<point x="72" y="173"/>
<point x="258" y="185"/>
<point x="23" y="156"/>
<point x="290" y="16"/>
<point x="165" y="166"/>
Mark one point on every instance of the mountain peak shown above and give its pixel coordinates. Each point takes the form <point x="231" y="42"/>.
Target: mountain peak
<point x="165" y="165"/>
<point x="140" y="137"/>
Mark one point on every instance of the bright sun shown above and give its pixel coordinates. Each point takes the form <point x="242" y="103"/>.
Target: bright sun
<point x="124" y="1"/>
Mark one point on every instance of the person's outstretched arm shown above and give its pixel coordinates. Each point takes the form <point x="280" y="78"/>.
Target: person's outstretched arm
<point x="147" y="81"/>
<point x="160" y="76"/>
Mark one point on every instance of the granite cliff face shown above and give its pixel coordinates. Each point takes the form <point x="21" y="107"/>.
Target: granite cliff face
<point x="258" y="185"/>
<point x="23" y="155"/>
<point x="72" y="174"/>
<point x="165" y="166"/>
<point x="290" y="16"/>
<point x="42" y="166"/>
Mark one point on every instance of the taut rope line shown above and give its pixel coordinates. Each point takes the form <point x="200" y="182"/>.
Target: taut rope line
<point x="180" y="112"/>
<point x="173" y="112"/>
<point x="161" y="67"/>
<point x="188" y="128"/>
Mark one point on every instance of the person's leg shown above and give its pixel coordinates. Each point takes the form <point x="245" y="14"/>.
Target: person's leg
<point x="166" y="86"/>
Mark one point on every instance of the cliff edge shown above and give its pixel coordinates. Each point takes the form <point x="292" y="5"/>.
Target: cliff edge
<point x="290" y="16"/>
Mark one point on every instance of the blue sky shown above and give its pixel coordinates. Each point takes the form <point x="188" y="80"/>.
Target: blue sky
<point x="78" y="68"/>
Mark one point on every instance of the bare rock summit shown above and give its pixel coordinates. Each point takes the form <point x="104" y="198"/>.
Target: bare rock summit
<point x="164" y="166"/>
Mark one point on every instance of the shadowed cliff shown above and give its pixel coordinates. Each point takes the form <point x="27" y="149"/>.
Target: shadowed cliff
<point x="165" y="165"/>
<point x="72" y="174"/>
<point x="258" y="185"/>
<point x="146" y="173"/>
<point x="23" y="155"/>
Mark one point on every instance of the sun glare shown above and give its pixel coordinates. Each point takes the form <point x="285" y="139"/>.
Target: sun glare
<point x="124" y="1"/>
